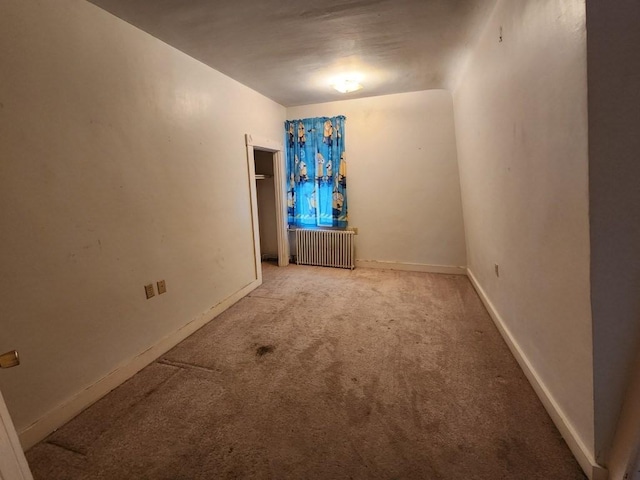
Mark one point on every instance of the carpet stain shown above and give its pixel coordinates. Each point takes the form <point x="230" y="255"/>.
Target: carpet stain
<point x="264" y="349"/>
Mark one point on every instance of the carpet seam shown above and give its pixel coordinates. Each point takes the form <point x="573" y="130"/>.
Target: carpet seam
<point x="132" y="406"/>
<point x="266" y="298"/>
<point x="185" y="365"/>
<point x="157" y="387"/>
<point x="64" y="447"/>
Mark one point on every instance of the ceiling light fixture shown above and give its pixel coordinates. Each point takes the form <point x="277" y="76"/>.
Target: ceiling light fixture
<point x="346" y="85"/>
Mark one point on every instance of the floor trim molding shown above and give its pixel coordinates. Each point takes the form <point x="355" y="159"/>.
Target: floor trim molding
<point x="411" y="267"/>
<point x="61" y="414"/>
<point x="579" y="450"/>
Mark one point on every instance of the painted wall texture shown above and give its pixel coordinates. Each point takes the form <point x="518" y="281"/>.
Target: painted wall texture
<point x="614" y="189"/>
<point x="123" y="163"/>
<point x="404" y="190"/>
<point x="521" y="123"/>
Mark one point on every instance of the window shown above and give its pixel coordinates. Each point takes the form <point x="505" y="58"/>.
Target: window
<point x="316" y="172"/>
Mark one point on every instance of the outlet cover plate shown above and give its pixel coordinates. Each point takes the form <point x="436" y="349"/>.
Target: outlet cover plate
<point x="148" y="290"/>
<point x="162" y="287"/>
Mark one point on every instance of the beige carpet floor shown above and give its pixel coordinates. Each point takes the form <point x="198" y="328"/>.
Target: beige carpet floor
<point x="324" y="374"/>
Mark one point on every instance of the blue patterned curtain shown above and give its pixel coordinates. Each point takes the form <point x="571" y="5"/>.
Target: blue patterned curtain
<point x="317" y="172"/>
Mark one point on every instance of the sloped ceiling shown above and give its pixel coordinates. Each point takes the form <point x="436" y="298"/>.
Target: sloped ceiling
<point x="292" y="50"/>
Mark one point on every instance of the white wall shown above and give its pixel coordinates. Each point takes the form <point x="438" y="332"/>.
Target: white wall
<point x="123" y="163"/>
<point x="521" y="123"/>
<point x="614" y="183"/>
<point x="403" y="185"/>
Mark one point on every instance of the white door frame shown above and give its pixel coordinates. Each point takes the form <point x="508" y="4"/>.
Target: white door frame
<point x="279" y="173"/>
<point x="13" y="464"/>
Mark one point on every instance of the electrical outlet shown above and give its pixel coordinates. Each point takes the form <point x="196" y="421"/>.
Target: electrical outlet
<point x="148" y="290"/>
<point x="162" y="287"/>
<point x="497" y="269"/>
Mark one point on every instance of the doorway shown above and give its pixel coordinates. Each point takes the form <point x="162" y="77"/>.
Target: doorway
<point x="266" y="202"/>
<point x="13" y="464"/>
<point x="268" y="207"/>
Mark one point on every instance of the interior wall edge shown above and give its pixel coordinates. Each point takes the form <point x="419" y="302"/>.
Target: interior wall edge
<point x="459" y="148"/>
<point x="613" y="59"/>
<point x="624" y="458"/>
<point x="464" y="66"/>
<point x="576" y="444"/>
<point x="64" y="412"/>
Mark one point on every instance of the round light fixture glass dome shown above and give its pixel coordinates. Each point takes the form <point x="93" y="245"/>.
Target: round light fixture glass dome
<point x="346" y="85"/>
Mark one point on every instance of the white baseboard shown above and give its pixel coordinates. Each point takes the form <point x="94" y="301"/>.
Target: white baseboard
<point x="411" y="267"/>
<point x="61" y="414"/>
<point x="582" y="454"/>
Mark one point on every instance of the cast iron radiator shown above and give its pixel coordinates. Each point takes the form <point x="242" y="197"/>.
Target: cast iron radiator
<point x="326" y="248"/>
